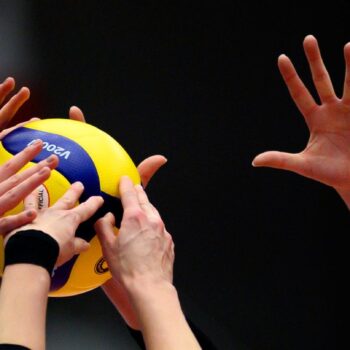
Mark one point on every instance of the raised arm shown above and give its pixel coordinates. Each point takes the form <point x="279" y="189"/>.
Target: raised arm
<point x="30" y="255"/>
<point x="326" y="157"/>
<point x="141" y="259"/>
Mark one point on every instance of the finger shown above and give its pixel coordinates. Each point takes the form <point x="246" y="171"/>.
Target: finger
<point x="144" y="201"/>
<point x="319" y="72"/>
<point x="88" y="208"/>
<point x="8" y="111"/>
<point x="13" y="197"/>
<point x="5" y="88"/>
<point x="70" y="198"/>
<point x="50" y="162"/>
<point x="19" y="160"/>
<point x="148" y="167"/>
<point x="128" y="193"/>
<point x="7" y="131"/>
<point x="299" y="93"/>
<point x="31" y="201"/>
<point x="76" y="113"/>
<point x="12" y="222"/>
<point x="104" y="228"/>
<point x="280" y="160"/>
<point x="80" y="245"/>
<point x="346" y="92"/>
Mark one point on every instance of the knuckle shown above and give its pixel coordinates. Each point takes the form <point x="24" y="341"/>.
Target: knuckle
<point x="14" y="180"/>
<point x="72" y="216"/>
<point x="67" y="200"/>
<point x="11" y="195"/>
<point x="156" y="223"/>
<point x="9" y="166"/>
<point x="134" y="214"/>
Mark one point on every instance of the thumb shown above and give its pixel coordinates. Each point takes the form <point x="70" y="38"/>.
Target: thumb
<point x="280" y="160"/>
<point x="148" y="167"/>
<point x="80" y="245"/>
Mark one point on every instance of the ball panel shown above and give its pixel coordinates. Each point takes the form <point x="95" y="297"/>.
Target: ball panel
<point x="111" y="160"/>
<point x="88" y="272"/>
<point x="89" y="155"/>
<point x="72" y="157"/>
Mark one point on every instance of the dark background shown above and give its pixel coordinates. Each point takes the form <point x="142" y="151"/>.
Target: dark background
<point x="257" y="250"/>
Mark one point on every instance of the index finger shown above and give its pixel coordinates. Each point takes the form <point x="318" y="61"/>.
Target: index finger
<point x="128" y="194"/>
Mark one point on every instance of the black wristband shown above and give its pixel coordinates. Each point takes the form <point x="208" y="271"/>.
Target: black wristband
<point x="32" y="247"/>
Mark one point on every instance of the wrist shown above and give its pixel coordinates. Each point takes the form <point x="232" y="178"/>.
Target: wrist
<point x="32" y="247"/>
<point x="145" y="287"/>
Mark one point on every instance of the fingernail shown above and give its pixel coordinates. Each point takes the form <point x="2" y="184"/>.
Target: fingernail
<point x="50" y="159"/>
<point x="35" y="143"/>
<point x="79" y="184"/>
<point x="30" y="213"/>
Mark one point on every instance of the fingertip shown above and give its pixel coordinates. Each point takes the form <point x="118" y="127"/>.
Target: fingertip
<point x="99" y="200"/>
<point x="110" y="218"/>
<point x="25" y="91"/>
<point x="78" y="184"/>
<point x="10" y="81"/>
<point x="85" y="246"/>
<point x="309" y="38"/>
<point x="31" y="213"/>
<point x="259" y="160"/>
<point x="347" y="48"/>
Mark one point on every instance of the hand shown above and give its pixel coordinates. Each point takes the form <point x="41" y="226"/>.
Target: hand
<point x="8" y="111"/>
<point x="143" y="247"/>
<point x="61" y="220"/>
<point x="15" y="187"/>
<point x="326" y="157"/>
<point x="113" y="288"/>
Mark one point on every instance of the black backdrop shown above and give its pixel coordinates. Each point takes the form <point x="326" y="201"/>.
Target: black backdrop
<point x="256" y="249"/>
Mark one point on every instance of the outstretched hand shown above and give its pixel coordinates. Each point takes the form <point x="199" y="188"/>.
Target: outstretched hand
<point x="61" y="220"/>
<point x="326" y="157"/>
<point x="114" y="290"/>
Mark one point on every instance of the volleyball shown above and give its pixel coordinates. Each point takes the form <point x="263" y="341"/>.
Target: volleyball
<point x="86" y="154"/>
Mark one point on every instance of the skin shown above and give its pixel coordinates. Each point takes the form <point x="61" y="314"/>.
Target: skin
<point x="14" y="186"/>
<point x="141" y="259"/>
<point x="326" y="157"/>
<point x="25" y="287"/>
<point x="114" y="290"/>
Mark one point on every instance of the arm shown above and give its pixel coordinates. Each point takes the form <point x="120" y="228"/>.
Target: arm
<point x="326" y="157"/>
<point x="23" y="302"/>
<point x="24" y="292"/>
<point x="141" y="259"/>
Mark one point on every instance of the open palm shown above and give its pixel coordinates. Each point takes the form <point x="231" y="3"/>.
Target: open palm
<point x="326" y="157"/>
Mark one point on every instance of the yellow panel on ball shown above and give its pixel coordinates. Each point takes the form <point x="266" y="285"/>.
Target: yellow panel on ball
<point x="86" y="154"/>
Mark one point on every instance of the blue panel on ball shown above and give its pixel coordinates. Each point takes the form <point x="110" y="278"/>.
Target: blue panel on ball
<point x="73" y="158"/>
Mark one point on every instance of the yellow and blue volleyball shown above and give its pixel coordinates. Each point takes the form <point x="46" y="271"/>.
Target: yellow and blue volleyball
<point x="86" y="154"/>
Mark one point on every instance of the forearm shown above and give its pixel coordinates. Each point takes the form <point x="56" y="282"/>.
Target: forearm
<point x="23" y="303"/>
<point x="120" y="299"/>
<point x="162" y="321"/>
